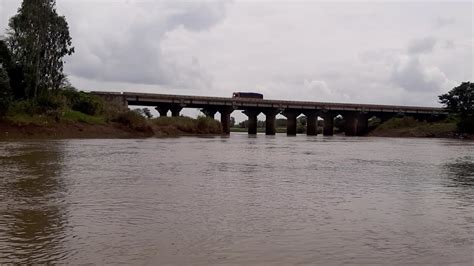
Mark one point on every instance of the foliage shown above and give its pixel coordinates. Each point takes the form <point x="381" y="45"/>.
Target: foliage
<point x="5" y="91"/>
<point x="460" y="101"/>
<point x="145" y="112"/>
<point x="83" y="102"/>
<point x="38" y="39"/>
<point x="14" y="71"/>
<point x="410" y="127"/>
<point x="133" y="120"/>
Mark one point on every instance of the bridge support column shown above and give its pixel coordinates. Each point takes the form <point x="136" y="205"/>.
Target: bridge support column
<point x="311" y="123"/>
<point x="175" y="110"/>
<point x="270" y="121"/>
<point x="225" y="119"/>
<point x="351" y="124"/>
<point x="209" y="112"/>
<point x="362" y="124"/>
<point x="162" y="110"/>
<point x="252" y="121"/>
<point x="328" y="129"/>
<point x="291" y="122"/>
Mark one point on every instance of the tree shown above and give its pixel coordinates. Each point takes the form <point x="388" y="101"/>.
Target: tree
<point x="38" y="39"/>
<point x="147" y="113"/>
<point x="5" y="92"/>
<point x="460" y="101"/>
<point x="15" y="72"/>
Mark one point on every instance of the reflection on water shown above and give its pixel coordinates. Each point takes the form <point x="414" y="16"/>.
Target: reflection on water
<point x="33" y="220"/>
<point x="461" y="171"/>
<point x="238" y="200"/>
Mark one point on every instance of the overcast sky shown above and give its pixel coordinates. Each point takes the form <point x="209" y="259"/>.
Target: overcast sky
<point x="373" y="52"/>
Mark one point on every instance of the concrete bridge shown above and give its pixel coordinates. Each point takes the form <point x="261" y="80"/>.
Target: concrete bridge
<point x="356" y="116"/>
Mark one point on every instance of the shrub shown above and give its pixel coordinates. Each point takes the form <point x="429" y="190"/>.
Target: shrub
<point x="28" y="107"/>
<point x="51" y="101"/>
<point x="466" y="125"/>
<point x="83" y="102"/>
<point x="133" y="120"/>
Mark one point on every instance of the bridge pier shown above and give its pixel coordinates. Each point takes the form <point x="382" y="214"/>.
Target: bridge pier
<point x="291" y="122"/>
<point x="270" y="121"/>
<point x="225" y="119"/>
<point x="175" y="110"/>
<point x="328" y="129"/>
<point x="357" y="124"/>
<point x="252" y="121"/>
<point x="162" y="110"/>
<point x="311" y="123"/>
<point x="362" y="124"/>
<point x="350" y="127"/>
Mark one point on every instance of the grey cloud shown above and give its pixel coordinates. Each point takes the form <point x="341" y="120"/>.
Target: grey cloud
<point x="424" y="45"/>
<point x="410" y="74"/>
<point x="197" y="16"/>
<point x="136" y="55"/>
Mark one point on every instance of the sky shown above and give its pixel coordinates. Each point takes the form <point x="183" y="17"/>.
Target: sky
<point x="381" y="52"/>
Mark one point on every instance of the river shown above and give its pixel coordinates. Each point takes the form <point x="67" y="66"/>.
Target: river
<point x="237" y="200"/>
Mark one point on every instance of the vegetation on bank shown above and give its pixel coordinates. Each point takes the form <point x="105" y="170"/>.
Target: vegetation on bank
<point x="410" y="127"/>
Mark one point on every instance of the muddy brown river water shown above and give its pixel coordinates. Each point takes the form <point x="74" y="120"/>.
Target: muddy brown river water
<point x="239" y="200"/>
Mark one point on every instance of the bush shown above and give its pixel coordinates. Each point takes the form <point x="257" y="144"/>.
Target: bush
<point x="51" y="101"/>
<point x="466" y="125"/>
<point x="133" y="120"/>
<point x="23" y="107"/>
<point x="83" y="102"/>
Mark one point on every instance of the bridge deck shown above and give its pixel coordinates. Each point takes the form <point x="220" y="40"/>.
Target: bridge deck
<point x="150" y="99"/>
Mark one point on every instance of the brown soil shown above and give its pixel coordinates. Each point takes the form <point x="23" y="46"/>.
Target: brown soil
<point x="69" y="130"/>
<point x="65" y="130"/>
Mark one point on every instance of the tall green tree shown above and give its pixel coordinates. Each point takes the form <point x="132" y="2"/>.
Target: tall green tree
<point x="15" y="72"/>
<point x="5" y="91"/>
<point x="38" y="39"/>
<point x="460" y="101"/>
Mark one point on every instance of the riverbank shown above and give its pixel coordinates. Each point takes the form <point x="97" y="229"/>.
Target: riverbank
<point x="126" y="125"/>
<point x="409" y="127"/>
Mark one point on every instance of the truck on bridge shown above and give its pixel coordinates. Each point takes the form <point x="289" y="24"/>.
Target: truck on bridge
<point x="252" y="95"/>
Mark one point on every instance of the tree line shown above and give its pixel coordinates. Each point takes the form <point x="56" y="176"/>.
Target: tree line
<point x="32" y="52"/>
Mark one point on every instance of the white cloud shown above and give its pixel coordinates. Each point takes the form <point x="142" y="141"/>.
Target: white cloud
<point x="412" y="75"/>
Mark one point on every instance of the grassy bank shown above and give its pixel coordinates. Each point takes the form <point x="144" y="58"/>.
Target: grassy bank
<point x="72" y="114"/>
<point x="410" y="127"/>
